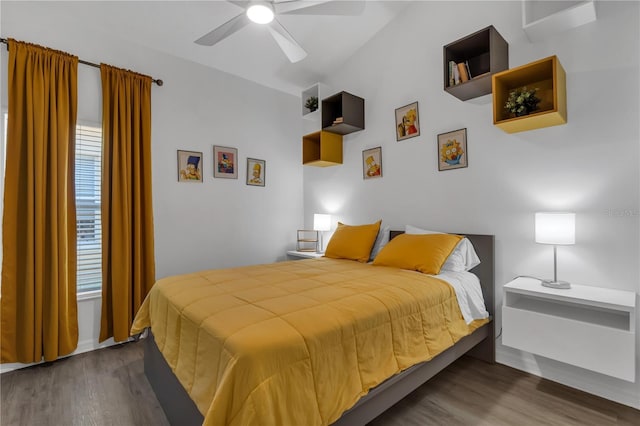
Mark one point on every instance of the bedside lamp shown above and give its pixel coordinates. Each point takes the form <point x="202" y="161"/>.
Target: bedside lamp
<point x="556" y="229"/>
<point x="321" y="223"/>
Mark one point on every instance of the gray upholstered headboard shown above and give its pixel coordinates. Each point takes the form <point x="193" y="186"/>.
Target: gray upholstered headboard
<point x="484" y="246"/>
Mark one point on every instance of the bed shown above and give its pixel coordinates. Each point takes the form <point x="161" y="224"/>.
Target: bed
<point x="385" y="384"/>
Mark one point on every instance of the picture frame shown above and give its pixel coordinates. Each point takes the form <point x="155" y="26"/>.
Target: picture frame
<point x="372" y="163"/>
<point x="225" y="162"/>
<point x="256" y="170"/>
<point x="407" y="122"/>
<point x="452" y="150"/>
<point x="189" y="166"/>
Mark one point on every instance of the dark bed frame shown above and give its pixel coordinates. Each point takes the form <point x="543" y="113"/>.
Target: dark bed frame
<point x="181" y="410"/>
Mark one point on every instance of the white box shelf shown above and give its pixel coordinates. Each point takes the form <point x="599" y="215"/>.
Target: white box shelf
<point x="541" y="19"/>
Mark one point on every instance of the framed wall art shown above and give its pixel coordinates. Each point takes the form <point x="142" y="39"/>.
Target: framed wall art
<point x="372" y="163"/>
<point x="189" y="166"/>
<point x="225" y="162"/>
<point x="255" y="171"/>
<point x="407" y="122"/>
<point x="452" y="150"/>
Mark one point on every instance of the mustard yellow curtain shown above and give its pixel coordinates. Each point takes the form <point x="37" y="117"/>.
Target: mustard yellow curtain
<point x="128" y="258"/>
<point x="38" y="302"/>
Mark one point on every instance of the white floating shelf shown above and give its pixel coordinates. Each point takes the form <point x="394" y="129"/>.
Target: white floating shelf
<point x="589" y="327"/>
<point x="540" y="19"/>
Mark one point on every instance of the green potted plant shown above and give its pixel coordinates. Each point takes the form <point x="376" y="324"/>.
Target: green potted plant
<point x="312" y="103"/>
<point x="522" y="101"/>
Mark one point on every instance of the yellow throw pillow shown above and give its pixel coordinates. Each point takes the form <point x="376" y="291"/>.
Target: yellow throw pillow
<point x="425" y="253"/>
<point x="353" y="242"/>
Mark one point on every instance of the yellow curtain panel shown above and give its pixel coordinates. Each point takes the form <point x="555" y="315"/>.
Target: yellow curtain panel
<point x="38" y="303"/>
<point x="128" y="258"/>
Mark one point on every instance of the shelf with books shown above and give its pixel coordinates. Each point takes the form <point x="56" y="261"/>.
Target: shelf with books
<point x="548" y="78"/>
<point x="343" y="113"/>
<point x="479" y="56"/>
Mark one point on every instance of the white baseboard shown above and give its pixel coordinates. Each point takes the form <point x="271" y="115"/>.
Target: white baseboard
<point x="83" y="346"/>
<point x="607" y="387"/>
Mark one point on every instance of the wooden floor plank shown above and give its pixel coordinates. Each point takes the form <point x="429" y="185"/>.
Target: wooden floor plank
<point x="108" y="387"/>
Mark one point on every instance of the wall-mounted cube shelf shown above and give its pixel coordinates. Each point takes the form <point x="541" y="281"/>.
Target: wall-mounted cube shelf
<point x="541" y="19"/>
<point x="548" y="76"/>
<point x="318" y="91"/>
<point x="343" y="113"/>
<point x="322" y="149"/>
<point x="311" y="92"/>
<point x="486" y="53"/>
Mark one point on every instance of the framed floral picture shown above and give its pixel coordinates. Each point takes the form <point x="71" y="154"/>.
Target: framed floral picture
<point x="407" y="122"/>
<point x="372" y="163"/>
<point x="189" y="166"/>
<point x="452" y="150"/>
<point x="256" y="171"/>
<point x="225" y="162"/>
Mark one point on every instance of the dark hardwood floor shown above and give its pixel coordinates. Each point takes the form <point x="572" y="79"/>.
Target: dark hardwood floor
<point x="108" y="387"/>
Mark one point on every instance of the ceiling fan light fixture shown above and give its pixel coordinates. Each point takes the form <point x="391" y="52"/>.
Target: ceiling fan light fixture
<point x="260" y="13"/>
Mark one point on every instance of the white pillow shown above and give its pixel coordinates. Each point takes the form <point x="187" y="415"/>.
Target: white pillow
<point x="462" y="258"/>
<point x="381" y="240"/>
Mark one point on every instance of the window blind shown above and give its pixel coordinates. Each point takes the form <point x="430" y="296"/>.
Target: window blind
<point x="89" y="225"/>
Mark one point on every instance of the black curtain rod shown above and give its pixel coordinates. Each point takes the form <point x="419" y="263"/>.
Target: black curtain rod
<point x="91" y="64"/>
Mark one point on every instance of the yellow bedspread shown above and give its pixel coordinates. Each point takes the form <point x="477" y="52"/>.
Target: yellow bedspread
<point x="298" y="342"/>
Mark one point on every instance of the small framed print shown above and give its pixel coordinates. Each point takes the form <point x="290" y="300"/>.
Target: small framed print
<point x="407" y="122"/>
<point x="189" y="166"/>
<point x="255" y="172"/>
<point x="452" y="150"/>
<point x="372" y="163"/>
<point x="225" y="162"/>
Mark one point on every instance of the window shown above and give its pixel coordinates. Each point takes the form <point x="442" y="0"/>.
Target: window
<point x="88" y="214"/>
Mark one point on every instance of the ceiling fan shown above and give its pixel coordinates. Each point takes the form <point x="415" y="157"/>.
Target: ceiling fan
<point x="264" y="12"/>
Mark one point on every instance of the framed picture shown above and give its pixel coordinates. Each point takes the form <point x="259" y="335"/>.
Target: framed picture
<point x="255" y="172"/>
<point x="452" y="150"/>
<point x="407" y="122"/>
<point x="189" y="166"/>
<point x="372" y="163"/>
<point x="225" y="162"/>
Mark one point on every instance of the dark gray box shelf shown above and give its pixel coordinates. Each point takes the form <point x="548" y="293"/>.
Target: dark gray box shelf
<point x="347" y="106"/>
<point x="486" y="52"/>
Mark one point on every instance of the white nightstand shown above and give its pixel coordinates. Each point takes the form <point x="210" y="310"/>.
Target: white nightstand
<point x="589" y="327"/>
<point x="303" y="254"/>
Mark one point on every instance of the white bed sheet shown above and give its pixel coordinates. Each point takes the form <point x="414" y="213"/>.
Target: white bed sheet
<point x="468" y="292"/>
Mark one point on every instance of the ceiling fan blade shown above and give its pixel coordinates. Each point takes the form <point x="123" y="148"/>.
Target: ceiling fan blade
<point x="224" y="30"/>
<point x="341" y="8"/>
<point x="287" y="43"/>
<point x="241" y="3"/>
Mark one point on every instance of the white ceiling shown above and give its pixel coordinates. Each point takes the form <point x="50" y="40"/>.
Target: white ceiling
<point x="251" y="53"/>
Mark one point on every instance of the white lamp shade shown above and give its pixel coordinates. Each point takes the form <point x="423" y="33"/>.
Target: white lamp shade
<point x="321" y="222"/>
<point x="555" y="228"/>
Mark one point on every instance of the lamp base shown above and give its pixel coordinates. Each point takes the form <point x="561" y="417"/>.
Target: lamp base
<point x="556" y="284"/>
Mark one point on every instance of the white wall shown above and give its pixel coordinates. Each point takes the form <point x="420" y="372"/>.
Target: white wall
<point x="217" y="223"/>
<point x="589" y="165"/>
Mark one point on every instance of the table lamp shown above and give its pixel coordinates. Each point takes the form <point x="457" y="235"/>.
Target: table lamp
<point x="321" y="223"/>
<point x="556" y="229"/>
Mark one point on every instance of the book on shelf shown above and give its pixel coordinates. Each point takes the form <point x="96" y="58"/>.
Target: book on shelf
<point x="338" y="120"/>
<point x="462" y="70"/>
<point x="456" y="74"/>
<point x="451" y="77"/>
